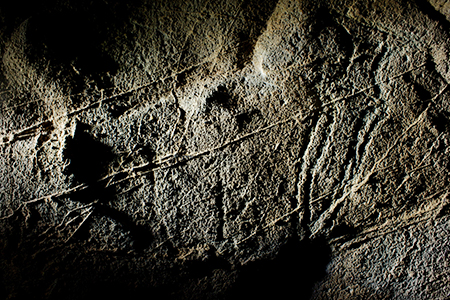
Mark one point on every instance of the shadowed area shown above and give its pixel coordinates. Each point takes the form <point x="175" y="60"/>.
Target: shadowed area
<point x="294" y="271"/>
<point x="238" y="149"/>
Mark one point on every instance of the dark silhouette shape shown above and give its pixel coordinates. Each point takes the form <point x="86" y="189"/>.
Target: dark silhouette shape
<point x="293" y="273"/>
<point x="220" y="97"/>
<point x="89" y="160"/>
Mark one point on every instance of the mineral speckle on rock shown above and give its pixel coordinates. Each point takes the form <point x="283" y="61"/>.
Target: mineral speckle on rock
<point x="225" y="149"/>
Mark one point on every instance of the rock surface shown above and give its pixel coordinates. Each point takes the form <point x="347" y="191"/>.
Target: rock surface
<point x="225" y="149"/>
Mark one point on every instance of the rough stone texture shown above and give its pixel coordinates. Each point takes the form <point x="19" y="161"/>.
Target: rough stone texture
<point x="225" y="149"/>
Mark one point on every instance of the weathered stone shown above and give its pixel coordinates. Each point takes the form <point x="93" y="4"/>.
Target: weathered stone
<point x="225" y="150"/>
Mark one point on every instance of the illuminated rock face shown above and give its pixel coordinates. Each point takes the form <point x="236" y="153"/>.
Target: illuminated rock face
<point x="240" y="149"/>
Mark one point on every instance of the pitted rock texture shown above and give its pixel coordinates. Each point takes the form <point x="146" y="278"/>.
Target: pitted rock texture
<point x="225" y="149"/>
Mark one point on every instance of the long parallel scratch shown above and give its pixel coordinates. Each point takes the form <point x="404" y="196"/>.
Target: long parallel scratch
<point x="26" y="132"/>
<point x="79" y="226"/>
<point x="321" y="197"/>
<point x="320" y="223"/>
<point x="94" y="104"/>
<point x="159" y="163"/>
<point x="47" y="197"/>
<point x="419" y="167"/>
<point x="374" y="85"/>
<point x="274" y="222"/>
<point x="390" y="226"/>
<point x="146" y="84"/>
<point x="409" y="175"/>
<point x="172" y="160"/>
<point x="299" y="117"/>
<point x="378" y="28"/>
<point x="102" y="91"/>
<point x="63" y="222"/>
<point x="57" y="194"/>
<point x="54" y="119"/>
<point x="354" y="188"/>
